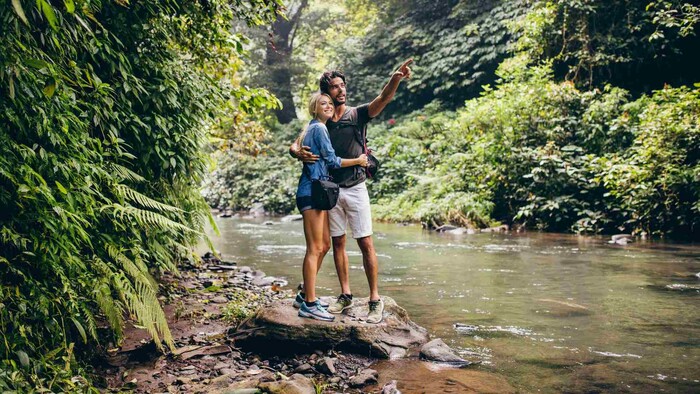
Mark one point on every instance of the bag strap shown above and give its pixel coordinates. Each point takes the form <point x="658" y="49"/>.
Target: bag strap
<point x="352" y="120"/>
<point x="366" y="150"/>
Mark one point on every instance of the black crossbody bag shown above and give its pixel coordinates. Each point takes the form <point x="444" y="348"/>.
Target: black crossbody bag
<point x="324" y="194"/>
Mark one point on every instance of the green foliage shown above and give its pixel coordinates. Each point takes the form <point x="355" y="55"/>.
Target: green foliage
<point x="104" y="108"/>
<point x="545" y="154"/>
<point x="242" y="180"/>
<point x="657" y="181"/>
<point x="636" y="44"/>
<point x="242" y="306"/>
<point x="456" y="46"/>
<point x="564" y="140"/>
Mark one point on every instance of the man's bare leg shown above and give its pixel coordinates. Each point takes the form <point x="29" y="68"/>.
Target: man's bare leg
<point x="342" y="267"/>
<point x="369" y="260"/>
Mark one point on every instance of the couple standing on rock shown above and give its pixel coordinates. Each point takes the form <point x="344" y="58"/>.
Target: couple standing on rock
<point x="336" y="131"/>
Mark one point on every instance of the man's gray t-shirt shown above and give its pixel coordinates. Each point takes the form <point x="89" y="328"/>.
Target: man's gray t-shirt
<point x="346" y="136"/>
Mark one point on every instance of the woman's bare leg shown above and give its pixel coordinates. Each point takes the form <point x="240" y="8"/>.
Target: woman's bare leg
<point x="315" y="223"/>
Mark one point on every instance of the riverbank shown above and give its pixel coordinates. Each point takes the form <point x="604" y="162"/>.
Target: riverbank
<point x="205" y="305"/>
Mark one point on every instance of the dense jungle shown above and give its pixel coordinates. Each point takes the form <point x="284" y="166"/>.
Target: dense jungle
<point x="123" y="123"/>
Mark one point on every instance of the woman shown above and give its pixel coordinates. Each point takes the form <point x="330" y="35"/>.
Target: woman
<point x="316" y="229"/>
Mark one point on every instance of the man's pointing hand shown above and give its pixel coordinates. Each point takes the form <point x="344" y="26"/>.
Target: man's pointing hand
<point x="404" y="71"/>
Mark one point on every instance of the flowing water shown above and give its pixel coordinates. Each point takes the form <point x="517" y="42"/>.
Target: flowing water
<point x="545" y="312"/>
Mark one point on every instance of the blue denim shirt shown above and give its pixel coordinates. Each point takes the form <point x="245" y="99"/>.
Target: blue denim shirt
<point x="317" y="138"/>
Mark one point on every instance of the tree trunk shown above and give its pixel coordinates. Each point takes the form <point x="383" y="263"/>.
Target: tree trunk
<point x="279" y="61"/>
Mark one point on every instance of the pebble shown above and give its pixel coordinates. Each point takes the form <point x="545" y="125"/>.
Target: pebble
<point x="227" y="371"/>
<point x="367" y="376"/>
<point x="326" y="366"/>
<point x="304" y="368"/>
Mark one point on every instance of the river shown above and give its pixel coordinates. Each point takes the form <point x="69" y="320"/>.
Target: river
<point x="547" y="312"/>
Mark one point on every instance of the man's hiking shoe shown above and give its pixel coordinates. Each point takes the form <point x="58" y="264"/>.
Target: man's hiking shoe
<point x="342" y="303"/>
<point x="315" y="311"/>
<point x="299" y="299"/>
<point x="376" y="312"/>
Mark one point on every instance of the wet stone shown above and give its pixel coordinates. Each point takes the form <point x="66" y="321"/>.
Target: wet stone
<point x="326" y="366"/>
<point x="227" y="371"/>
<point x="266" y="281"/>
<point x="437" y="350"/>
<point x="304" y="368"/>
<point x="390" y="388"/>
<point x="367" y="376"/>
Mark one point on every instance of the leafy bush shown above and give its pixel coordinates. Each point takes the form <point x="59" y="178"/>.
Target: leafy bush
<point x="657" y="181"/>
<point x="103" y="108"/>
<point x="574" y="155"/>
<point x="269" y="176"/>
<point x="547" y="155"/>
<point x="242" y="181"/>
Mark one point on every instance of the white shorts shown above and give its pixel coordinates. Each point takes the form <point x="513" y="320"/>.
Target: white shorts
<point x="352" y="209"/>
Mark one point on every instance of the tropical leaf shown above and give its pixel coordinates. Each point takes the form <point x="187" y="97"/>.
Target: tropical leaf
<point x="17" y="5"/>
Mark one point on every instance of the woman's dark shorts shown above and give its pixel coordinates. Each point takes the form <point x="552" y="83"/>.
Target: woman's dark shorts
<point x="304" y="203"/>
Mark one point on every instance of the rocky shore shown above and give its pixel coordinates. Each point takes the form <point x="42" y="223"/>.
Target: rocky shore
<point x="237" y="333"/>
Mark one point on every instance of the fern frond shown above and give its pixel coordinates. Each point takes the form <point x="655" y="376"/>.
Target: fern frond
<point x="5" y="174"/>
<point x="90" y="320"/>
<point x="109" y="307"/>
<point x="148" y="219"/>
<point x="144" y="201"/>
<point x="142" y="302"/>
<point x="163" y="256"/>
<point x="135" y="268"/>
<point x="126" y="174"/>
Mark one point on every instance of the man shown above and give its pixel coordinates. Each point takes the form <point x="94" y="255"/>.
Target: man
<point x="347" y="128"/>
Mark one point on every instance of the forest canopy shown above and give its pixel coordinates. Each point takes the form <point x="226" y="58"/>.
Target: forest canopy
<point x="557" y="115"/>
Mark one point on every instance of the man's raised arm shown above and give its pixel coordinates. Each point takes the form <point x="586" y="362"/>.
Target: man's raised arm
<point x="378" y="104"/>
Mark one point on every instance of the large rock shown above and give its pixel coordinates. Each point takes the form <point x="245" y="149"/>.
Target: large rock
<point x="278" y="329"/>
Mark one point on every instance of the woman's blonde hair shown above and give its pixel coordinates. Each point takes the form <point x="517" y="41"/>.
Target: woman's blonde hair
<point x="313" y="104"/>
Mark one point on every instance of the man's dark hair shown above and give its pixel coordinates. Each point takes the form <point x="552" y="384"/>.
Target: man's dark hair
<point x="325" y="82"/>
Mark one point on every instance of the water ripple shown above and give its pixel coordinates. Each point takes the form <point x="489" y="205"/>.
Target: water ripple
<point x="289" y="249"/>
<point x="682" y="287"/>
<point x="469" y="329"/>
<point x="611" y="354"/>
